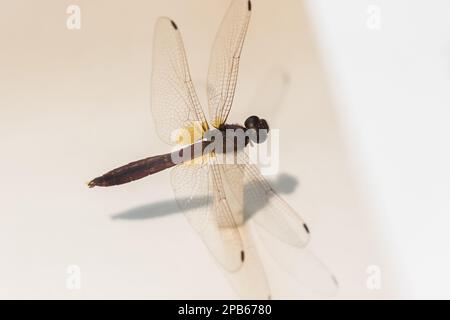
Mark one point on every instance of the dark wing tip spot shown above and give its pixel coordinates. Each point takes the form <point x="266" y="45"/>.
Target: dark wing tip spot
<point x="249" y="5"/>
<point x="306" y="228"/>
<point x="242" y="256"/>
<point x="174" y="25"/>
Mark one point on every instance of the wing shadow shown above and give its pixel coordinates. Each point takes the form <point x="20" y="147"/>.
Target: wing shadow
<point x="283" y="184"/>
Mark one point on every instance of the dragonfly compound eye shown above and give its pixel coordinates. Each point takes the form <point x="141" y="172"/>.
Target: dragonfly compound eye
<point x="252" y="122"/>
<point x="257" y="129"/>
<point x="263" y="125"/>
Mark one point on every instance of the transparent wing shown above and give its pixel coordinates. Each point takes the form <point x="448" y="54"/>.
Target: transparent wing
<point x="193" y="192"/>
<point x="224" y="61"/>
<point x="174" y="101"/>
<point x="265" y="207"/>
<point x="282" y="231"/>
<point x="200" y="195"/>
<point x="302" y="265"/>
<point x="250" y="281"/>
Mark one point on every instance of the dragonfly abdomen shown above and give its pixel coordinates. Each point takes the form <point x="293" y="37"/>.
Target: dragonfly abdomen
<point x="133" y="171"/>
<point x="145" y="167"/>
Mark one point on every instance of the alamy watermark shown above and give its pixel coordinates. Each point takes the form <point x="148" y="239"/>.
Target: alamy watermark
<point x="73" y="279"/>
<point x="228" y="145"/>
<point x="373" y="20"/>
<point x="373" y="281"/>
<point x="73" y="21"/>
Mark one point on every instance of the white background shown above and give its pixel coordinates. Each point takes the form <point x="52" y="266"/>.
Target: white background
<point x="393" y="86"/>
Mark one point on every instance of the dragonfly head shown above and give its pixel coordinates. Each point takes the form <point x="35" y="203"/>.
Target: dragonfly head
<point x="259" y="127"/>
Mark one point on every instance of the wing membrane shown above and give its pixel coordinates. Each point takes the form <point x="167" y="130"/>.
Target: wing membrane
<point x="224" y="61"/>
<point x="200" y="195"/>
<point x="175" y="103"/>
<point x="302" y="265"/>
<point x="282" y="231"/>
<point x="265" y="207"/>
<point x="250" y="281"/>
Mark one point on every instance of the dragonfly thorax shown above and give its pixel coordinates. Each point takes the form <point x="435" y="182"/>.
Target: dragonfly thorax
<point x="234" y="137"/>
<point x="227" y="138"/>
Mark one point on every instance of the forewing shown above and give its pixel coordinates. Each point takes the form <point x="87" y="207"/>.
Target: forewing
<point x="200" y="197"/>
<point x="283" y="232"/>
<point x="174" y="101"/>
<point x="224" y="61"/>
<point x="250" y="281"/>
<point x="265" y="207"/>
<point x="314" y="277"/>
<point x="193" y="193"/>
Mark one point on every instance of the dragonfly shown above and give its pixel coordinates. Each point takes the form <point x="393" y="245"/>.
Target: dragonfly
<point x="216" y="198"/>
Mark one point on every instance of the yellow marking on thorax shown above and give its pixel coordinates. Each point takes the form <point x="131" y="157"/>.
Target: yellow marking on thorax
<point x="191" y="133"/>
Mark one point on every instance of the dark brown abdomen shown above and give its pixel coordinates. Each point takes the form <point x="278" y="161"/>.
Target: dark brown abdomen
<point x="133" y="171"/>
<point x="142" y="168"/>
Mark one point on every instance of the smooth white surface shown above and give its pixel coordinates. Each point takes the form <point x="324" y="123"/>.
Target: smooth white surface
<point x="393" y="85"/>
